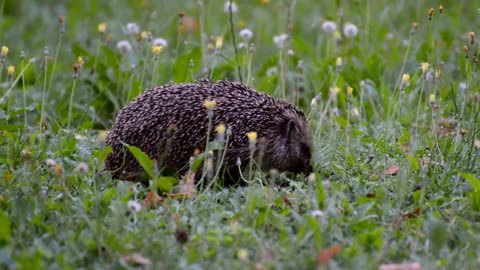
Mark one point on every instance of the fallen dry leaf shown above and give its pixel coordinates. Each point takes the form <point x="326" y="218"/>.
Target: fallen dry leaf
<point x="415" y="214"/>
<point x="392" y="170"/>
<point x="326" y="255"/>
<point x="136" y="259"/>
<point x="152" y="199"/>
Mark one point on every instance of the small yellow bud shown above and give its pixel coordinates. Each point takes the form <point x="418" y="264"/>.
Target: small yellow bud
<point x="314" y="104"/>
<point x="143" y="35"/>
<point x="80" y="61"/>
<point x="252" y="136"/>
<point x="157" y="49"/>
<point x="10" y="70"/>
<point x="265" y="2"/>
<point x="209" y="104"/>
<point x="349" y="91"/>
<point x="432" y="98"/>
<point x="405" y="79"/>
<point x="339" y="62"/>
<point x="58" y="169"/>
<point x="4" y="51"/>
<point x="102" y="135"/>
<point x="220" y="129"/>
<point x="102" y="27"/>
<point x="425" y="66"/>
<point x="438" y="72"/>
<point x="334" y="90"/>
<point x="218" y="42"/>
<point x="337" y="35"/>
<point x="242" y="254"/>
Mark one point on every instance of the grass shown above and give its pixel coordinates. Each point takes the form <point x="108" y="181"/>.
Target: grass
<point x="396" y="161"/>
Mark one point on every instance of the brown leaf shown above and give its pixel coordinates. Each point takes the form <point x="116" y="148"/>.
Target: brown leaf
<point x="186" y="186"/>
<point x="137" y="259"/>
<point x="326" y="255"/>
<point x="152" y="199"/>
<point x="415" y="214"/>
<point x="392" y="170"/>
<point x="287" y="201"/>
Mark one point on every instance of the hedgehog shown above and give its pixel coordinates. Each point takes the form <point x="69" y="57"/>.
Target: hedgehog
<point x="169" y="123"/>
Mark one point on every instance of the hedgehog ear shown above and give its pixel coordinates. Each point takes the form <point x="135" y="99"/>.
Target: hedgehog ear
<point x="287" y="129"/>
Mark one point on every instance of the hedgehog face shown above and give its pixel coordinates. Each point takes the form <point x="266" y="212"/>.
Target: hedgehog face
<point x="292" y="148"/>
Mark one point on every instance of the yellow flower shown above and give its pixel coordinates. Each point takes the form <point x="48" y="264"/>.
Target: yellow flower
<point x="425" y="66"/>
<point x="10" y="70"/>
<point x="349" y="91"/>
<point x="252" y="136"/>
<point x="438" y="72"/>
<point x="157" y="49"/>
<point x="432" y="98"/>
<point x="143" y="35"/>
<point x="209" y="104"/>
<point x="220" y="129"/>
<point x="4" y="51"/>
<point x="102" y="27"/>
<point x="405" y="78"/>
<point x="265" y="2"/>
<point x="80" y="61"/>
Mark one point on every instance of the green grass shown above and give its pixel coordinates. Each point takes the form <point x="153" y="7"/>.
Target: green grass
<point x="396" y="172"/>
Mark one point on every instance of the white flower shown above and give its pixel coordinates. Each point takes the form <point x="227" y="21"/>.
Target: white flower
<point x="124" y="46"/>
<point x="134" y="206"/>
<point x="272" y="71"/>
<point x="82" y="167"/>
<point x="317" y="213"/>
<point x="160" y="42"/>
<point x="133" y="28"/>
<point x="290" y="53"/>
<point x="242" y="45"/>
<point x="462" y="86"/>
<point x="350" y="30"/>
<point x="246" y="34"/>
<point x="329" y="26"/>
<point x="227" y="7"/>
<point x="50" y="162"/>
<point x="280" y="40"/>
<point x="389" y="36"/>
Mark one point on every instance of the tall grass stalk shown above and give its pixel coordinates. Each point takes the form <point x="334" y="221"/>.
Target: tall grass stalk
<point x="45" y="63"/>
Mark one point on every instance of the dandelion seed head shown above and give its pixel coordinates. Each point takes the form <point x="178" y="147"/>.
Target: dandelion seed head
<point x="329" y="27"/>
<point x="246" y="34"/>
<point x="317" y="214"/>
<point x="228" y="6"/>
<point x="133" y="206"/>
<point x="280" y="40"/>
<point x="50" y="162"/>
<point x="350" y="30"/>
<point x="160" y="42"/>
<point x="133" y="28"/>
<point x="82" y="168"/>
<point x="124" y="46"/>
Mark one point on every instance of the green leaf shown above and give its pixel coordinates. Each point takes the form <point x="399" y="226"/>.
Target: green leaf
<point x="413" y="162"/>
<point x="474" y="182"/>
<point x="165" y="183"/>
<point x="5" y="231"/>
<point x="142" y="158"/>
<point x="181" y="67"/>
